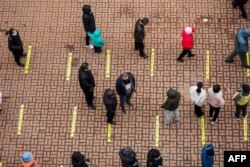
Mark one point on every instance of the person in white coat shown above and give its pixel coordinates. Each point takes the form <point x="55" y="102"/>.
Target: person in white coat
<point x="216" y="101"/>
<point x="198" y="96"/>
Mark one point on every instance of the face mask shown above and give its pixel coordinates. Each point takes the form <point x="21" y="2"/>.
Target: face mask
<point x="14" y="33"/>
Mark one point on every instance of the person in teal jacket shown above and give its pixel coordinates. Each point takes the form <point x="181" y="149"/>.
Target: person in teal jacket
<point x="97" y="40"/>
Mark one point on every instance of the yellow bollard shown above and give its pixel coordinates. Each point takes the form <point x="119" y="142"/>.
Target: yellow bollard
<point x="157" y="131"/>
<point x="207" y="65"/>
<point x="20" y="120"/>
<point x="73" y="123"/>
<point x="27" y="64"/>
<point x="152" y="62"/>
<point x="108" y="62"/>
<point x="69" y="64"/>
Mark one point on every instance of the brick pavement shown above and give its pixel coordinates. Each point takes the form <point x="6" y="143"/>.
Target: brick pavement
<point x="50" y="26"/>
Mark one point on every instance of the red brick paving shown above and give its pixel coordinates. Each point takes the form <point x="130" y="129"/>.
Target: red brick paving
<point x="50" y="26"/>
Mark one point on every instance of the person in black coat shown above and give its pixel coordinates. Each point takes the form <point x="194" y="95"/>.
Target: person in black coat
<point x="79" y="160"/>
<point x="125" y="86"/>
<point x="128" y="157"/>
<point x="110" y="102"/>
<point x="241" y="4"/>
<point x="15" y="45"/>
<point x="87" y="84"/>
<point x="88" y="20"/>
<point x="139" y="35"/>
<point x="154" y="158"/>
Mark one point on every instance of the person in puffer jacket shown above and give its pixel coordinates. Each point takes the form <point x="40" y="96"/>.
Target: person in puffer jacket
<point x="241" y="4"/>
<point x="110" y="102"/>
<point x="97" y="40"/>
<point x="79" y="160"/>
<point x="128" y="157"/>
<point x="240" y="47"/>
<point x="28" y="160"/>
<point x="154" y="158"/>
<point x="171" y="106"/>
<point x="216" y="101"/>
<point x="187" y="43"/>
<point x="241" y="100"/>
<point x="207" y="155"/>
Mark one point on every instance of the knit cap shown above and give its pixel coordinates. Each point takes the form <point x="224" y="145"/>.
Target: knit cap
<point x="188" y="30"/>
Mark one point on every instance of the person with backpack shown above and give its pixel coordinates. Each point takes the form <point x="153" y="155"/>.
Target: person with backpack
<point x="154" y="158"/>
<point x="28" y="160"/>
<point x="128" y="157"/>
<point x="207" y="155"/>
<point x="79" y="160"/>
<point x="110" y="102"/>
<point x="241" y="99"/>
<point x="97" y="40"/>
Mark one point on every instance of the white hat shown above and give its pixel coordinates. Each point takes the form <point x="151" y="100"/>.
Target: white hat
<point x="188" y="30"/>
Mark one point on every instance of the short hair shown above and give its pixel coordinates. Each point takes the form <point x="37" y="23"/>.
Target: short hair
<point x="216" y="88"/>
<point x="145" y="21"/>
<point x="85" y="65"/>
<point x="10" y="31"/>
<point x="155" y="153"/>
<point x="125" y="74"/>
<point x="210" y="153"/>
<point x="199" y="85"/>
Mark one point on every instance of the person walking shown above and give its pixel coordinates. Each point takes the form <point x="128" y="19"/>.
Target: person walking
<point x="88" y="20"/>
<point x="28" y="160"/>
<point x="15" y="45"/>
<point x="125" y="86"/>
<point x="154" y="158"/>
<point x="241" y="4"/>
<point x="171" y="105"/>
<point x="216" y="101"/>
<point x="139" y="35"/>
<point x="128" y="157"/>
<point x="87" y="84"/>
<point x="198" y="96"/>
<point x="241" y="99"/>
<point x="79" y="160"/>
<point x="97" y="40"/>
<point x="110" y="102"/>
<point x="207" y="155"/>
<point x="187" y="43"/>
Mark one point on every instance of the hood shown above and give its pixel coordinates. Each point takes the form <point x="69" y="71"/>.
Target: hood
<point x="208" y="148"/>
<point x="172" y="93"/>
<point x="127" y="154"/>
<point x="97" y="33"/>
<point x="86" y="9"/>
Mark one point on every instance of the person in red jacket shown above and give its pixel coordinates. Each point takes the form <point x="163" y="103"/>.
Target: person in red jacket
<point x="187" y="43"/>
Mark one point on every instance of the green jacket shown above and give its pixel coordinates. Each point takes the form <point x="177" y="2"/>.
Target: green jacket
<point x="240" y="99"/>
<point x="96" y="38"/>
<point x="172" y="102"/>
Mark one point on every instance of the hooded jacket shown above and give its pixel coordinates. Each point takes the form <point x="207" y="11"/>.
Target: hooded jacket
<point x="197" y="99"/>
<point x="120" y="88"/>
<point x="215" y="99"/>
<point x="110" y="102"/>
<point x="139" y="33"/>
<point x="151" y="162"/>
<point x="128" y="157"/>
<point x="88" y="19"/>
<point x="96" y="38"/>
<point x="241" y="98"/>
<point x="172" y="102"/>
<point x="187" y="40"/>
<point x="86" y="80"/>
<point x="15" y="43"/>
<point x="78" y="160"/>
<point x="242" y="40"/>
<point x="206" y="160"/>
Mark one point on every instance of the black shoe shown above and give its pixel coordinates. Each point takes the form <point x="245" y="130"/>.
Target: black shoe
<point x="229" y="61"/>
<point x="124" y="111"/>
<point x="92" y="107"/>
<point x="136" y="49"/>
<point x="234" y="6"/>
<point x="144" y="55"/>
<point x="129" y="103"/>
<point x="24" y="55"/>
<point x="244" y="16"/>
<point x="246" y="66"/>
<point x="21" y="64"/>
<point x="192" y="55"/>
<point x="180" y="60"/>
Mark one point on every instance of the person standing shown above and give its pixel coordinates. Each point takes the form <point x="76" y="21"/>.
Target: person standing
<point x="139" y="35"/>
<point x="89" y="23"/>
<point x="128" y="157"/>
<point x="187" y="43"/>
<point x="110" y="102"/>
<point x="79" y="160"/>
<point x="15" y="45"/>
<point x="125" y="86"/>
<point x="216" y="101"/>
<point x="207" y="155"/>
<point x="171" y="106"/>
<point x="198" y="96"/>
<point x="241" y="100"/>
<point x="154" y="158"/>
<point x="87" y="83"/>
<point x="28" y="161"/>
<point x="241" y="4"/>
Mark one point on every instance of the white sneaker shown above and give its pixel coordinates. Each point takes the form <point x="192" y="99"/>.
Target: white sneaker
<point x="214" y="122"/>
<point x="210" y="118"/>
<point x="89" y="46"/>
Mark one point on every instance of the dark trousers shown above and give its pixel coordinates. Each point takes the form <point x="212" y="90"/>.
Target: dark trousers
<point x="125" y="99"/>
<point x="242" y="8"/>
<point x="140" y="46"/>
<point x="98" y="49"/>
<point x="89" y="95"/>
<point x="17" y="56"/>
<point x="110" y="117"/>
<point x="214" y="112"/>
<point x="198" y="111"/>
<point x="87" y="39"/>
<point x="239" y="109"/>
<point x="184" y="52"/>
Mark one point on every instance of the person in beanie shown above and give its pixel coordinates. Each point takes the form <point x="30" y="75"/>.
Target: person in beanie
<point x="241" y="99"/>
<point x="198" y="96"/>
<point x="241" y="4"/>
<point x="216" y="101"/>
<point x="128" y="157"/>
<point x="79" y="160"/>
<point x="154" y="158"/>
<point x="110" y="102"/>
<point x="139" y="35"/>
<point x="125" y="86"/>
<point x="171" y="106"/>
<point x="88" y="20"/>
<point x="87" y="84"/>
<point x="97" y="40"/>
<point x="28" y="161"/>
<point x="15" y="45"/>
<point x="207" y="155"/>
<point x="187" y="43"/>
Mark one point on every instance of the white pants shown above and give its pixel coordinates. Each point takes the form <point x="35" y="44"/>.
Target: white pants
<point x="168" y="116"/>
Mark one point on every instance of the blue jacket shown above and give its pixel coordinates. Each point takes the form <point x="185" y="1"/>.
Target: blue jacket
<point x="120" y="88"/>
<point x="242" y="40"/>
<point x="96" y="38"/>
<point x="206" y="160"/>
